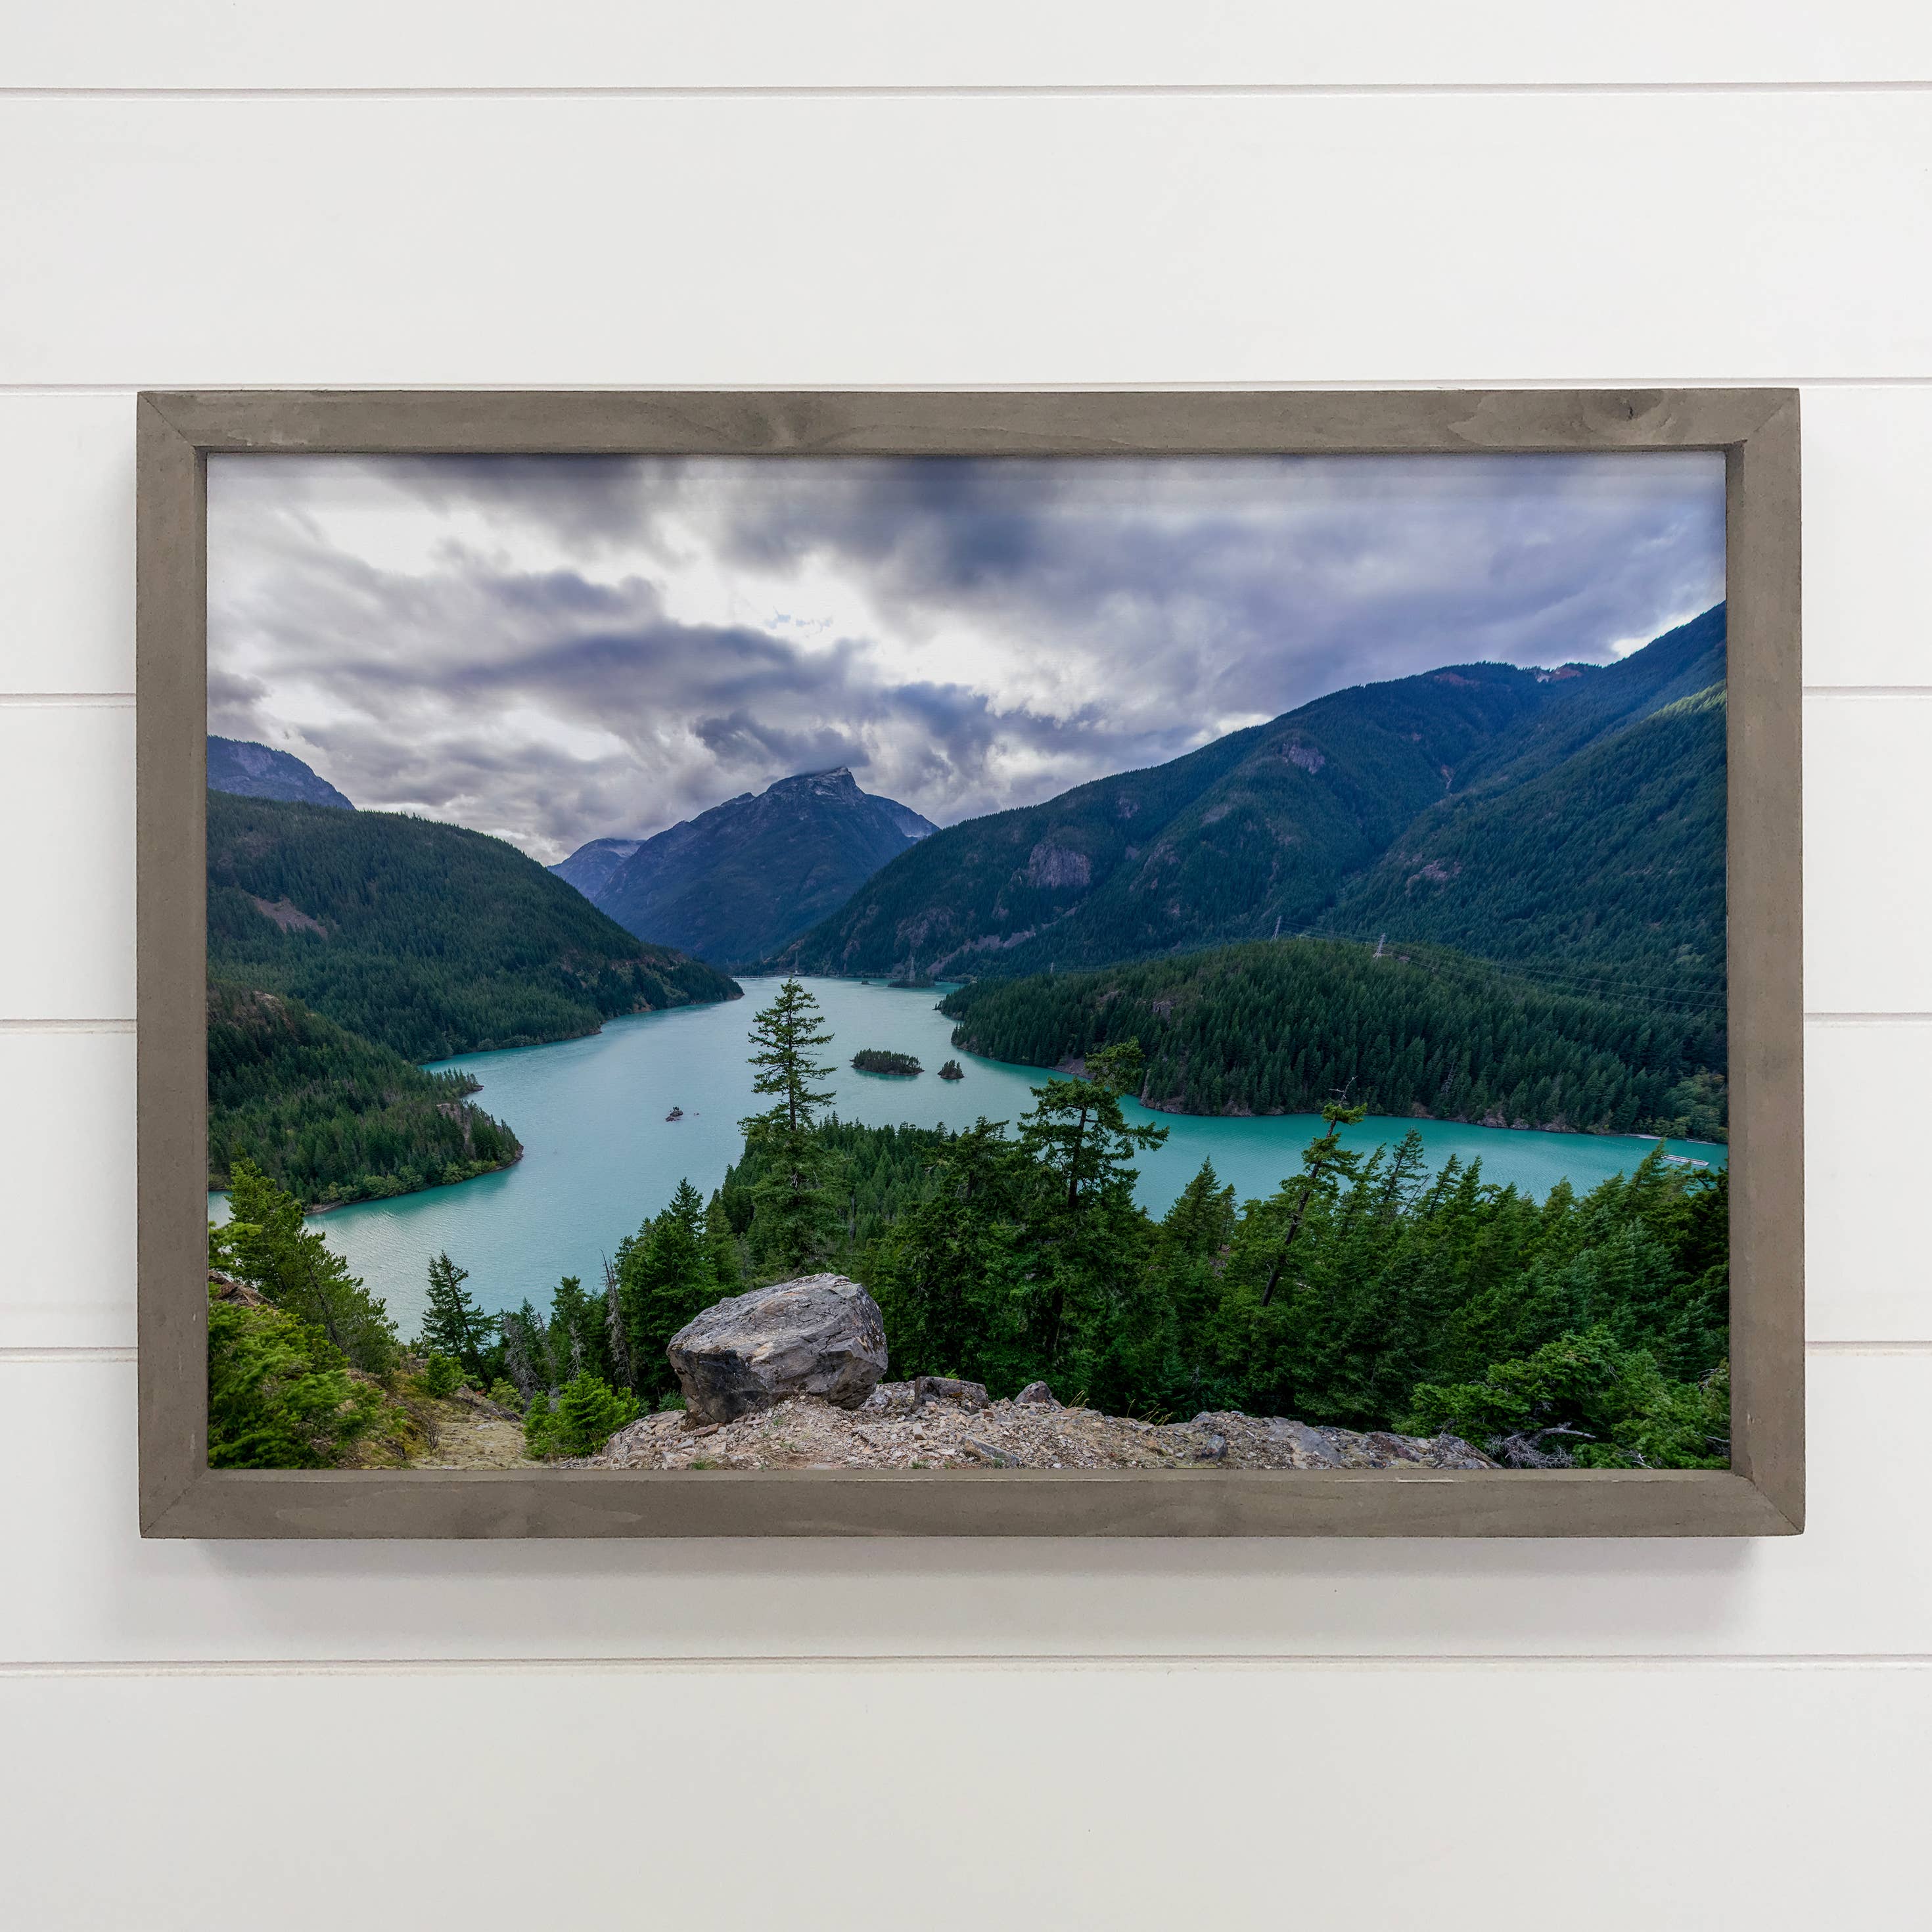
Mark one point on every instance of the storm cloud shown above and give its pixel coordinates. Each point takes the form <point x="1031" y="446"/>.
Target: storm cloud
<point x="558" y="649"/>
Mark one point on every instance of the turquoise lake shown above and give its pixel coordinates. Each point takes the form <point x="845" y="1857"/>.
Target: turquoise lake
<point x="600" y="1156"/>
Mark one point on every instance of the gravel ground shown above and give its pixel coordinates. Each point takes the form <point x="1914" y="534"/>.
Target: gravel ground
<point x="898" y="1430"/>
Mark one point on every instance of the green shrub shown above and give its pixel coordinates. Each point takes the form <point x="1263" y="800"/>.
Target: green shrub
<point x="581" y="1420"/>
<point x="536" y="1424"/>
<point x="1583" y="1399"/>
<point x="443" y="1376"/>
<point x="280" y="1394"/>
<point x="503" y="1393"/>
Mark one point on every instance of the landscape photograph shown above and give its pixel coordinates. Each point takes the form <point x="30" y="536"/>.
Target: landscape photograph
<point x="936" y="963"/>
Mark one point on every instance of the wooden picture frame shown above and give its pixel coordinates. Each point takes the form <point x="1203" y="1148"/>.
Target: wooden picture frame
<point x="1761" y="1494"/>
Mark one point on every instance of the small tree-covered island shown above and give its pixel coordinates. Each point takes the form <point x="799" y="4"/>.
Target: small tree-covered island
<point x="1241" y="1009"/>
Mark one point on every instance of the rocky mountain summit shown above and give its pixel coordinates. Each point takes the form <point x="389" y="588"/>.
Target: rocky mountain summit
<point x="790" y="1377"/>
<point x="249" y="770"/>
<point x="590" y="867"/>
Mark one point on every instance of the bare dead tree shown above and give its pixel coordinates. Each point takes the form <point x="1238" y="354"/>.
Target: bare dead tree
<point x="617" y="1330"/>
<point x="519" y="1364"/>
<point x="1525" y="1450"/>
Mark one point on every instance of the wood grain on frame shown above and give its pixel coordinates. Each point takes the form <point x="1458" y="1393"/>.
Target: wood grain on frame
<point x="1763" y="1494"/>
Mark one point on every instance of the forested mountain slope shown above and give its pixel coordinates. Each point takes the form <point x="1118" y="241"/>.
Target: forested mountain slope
<point x="1608" y="870"/>
<point x="739" y="880"/>
<point x="1265" y="823"/>
<point x="1282" y="1026"/>
<point x="1260" y="831"/>
<point x="329" y="1115"/>
<point x="1677" y="665"/>
<point x="427" y="938"/>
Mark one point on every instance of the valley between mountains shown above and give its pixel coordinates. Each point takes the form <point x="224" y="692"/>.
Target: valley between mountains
<point x="1482" y="893"/>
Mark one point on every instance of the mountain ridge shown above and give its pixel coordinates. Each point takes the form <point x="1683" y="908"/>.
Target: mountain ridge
<point x="428" y="938"/>
<point x="1265" y="830"/>
<point x="244" y="769"/>
<point x="731" y="884"/>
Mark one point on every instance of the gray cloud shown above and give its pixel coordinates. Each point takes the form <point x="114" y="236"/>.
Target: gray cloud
<point x="556" y="648"/>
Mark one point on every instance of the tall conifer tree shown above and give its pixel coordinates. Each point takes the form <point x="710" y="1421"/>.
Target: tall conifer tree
<point x="452" y="1325"/>
<point x="796" y="1209"/>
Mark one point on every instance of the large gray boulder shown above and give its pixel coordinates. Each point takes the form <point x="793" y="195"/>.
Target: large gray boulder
<point x="821" y="1335"/>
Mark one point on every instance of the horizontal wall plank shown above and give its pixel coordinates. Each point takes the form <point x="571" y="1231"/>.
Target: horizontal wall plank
<point x="83" y="1587"/>
<point x="1867" y="1275"/>
<point x="66" y="543"/>
<point x="1526" y="237"/>
<point x="1867" y="507"/>
<point x="440" y="43"/>
<point x="1671" y="1798"/>
<point x="66" y="1187"/>
<point x="67" y="1191"/>
<point x="66" y="868"/>
<point x="1868" y="817"/>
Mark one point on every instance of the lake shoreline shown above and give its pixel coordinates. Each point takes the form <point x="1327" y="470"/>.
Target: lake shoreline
<point x="600" y="1158"/>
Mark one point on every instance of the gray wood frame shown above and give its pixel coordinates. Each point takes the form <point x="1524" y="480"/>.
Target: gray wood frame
<point x="1763" y="1494"/>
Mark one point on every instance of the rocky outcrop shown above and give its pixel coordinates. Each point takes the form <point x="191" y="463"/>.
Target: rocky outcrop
<point x="821" y="1335"/>
<point x="896" y="1429"/>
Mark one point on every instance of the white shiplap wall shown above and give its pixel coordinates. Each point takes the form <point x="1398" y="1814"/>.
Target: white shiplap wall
<point x="1463" y="1735"/>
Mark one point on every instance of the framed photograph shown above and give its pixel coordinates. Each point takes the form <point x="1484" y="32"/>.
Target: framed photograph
<point x="1197" y="963"/>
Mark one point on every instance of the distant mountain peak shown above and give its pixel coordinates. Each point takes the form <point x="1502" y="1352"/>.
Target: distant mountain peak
<point x="589" y="867"/>
<point x="839" y="782"/>
<point x="241" y="767"/>
<point x="741" y="879"/>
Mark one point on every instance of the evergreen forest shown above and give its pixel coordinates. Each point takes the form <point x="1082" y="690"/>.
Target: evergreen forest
<point x="330" y="1116"/>
<point x="1364" y="1291"/>
<point x="427" y="938"/>
<point x="345" y="947"/>
<point x="1281" y="1027"/>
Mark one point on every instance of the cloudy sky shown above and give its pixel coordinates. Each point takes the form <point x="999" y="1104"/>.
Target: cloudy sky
<point x="558" y="649"/>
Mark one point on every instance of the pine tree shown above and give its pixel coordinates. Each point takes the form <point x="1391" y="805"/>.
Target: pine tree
<point x="265" y="1244"/>
<point x="452" y="1325"/>
<point x="721" y="1245"/>
<point x="1323" y="1162"/>
<point x="950" y="1277"/>
<point x="1077" y="1132"/>
<point x="279" y="1395"/>
<point x="575" y="1333"/>
<point x="665" y="1277"/>
<point x="617" y="1329"/>
<point x="1202" y="1218"/>
<point x="583" y="1417"/>
<point x="525" y="1352"/>
<point x="1091" y="1237"/>
<point x="796" y="1210"/>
